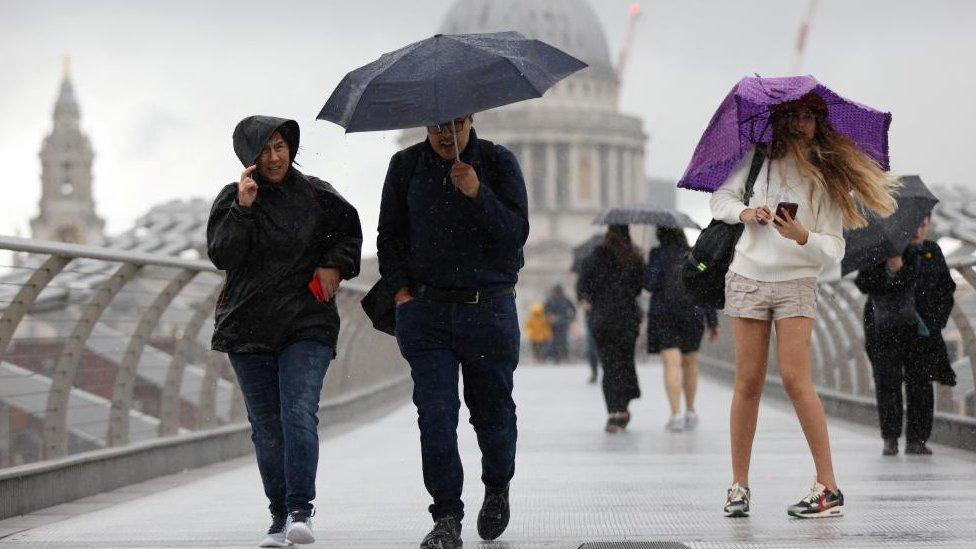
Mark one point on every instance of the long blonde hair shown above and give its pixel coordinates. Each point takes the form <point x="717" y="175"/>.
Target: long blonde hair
<point x="833" y="162"/>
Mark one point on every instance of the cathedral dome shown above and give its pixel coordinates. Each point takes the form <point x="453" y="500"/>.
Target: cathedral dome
<point x="570" y="25"/>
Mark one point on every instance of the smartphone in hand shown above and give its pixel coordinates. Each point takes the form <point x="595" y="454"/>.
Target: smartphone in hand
<point x="791" y="207"/>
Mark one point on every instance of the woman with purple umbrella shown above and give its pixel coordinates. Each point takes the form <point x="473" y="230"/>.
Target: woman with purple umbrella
<point x="813" y="185"/>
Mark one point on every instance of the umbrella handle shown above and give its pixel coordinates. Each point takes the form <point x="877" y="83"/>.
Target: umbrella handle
<point x="457" y="152"/>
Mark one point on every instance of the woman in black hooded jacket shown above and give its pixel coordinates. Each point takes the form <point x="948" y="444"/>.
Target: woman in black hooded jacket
<point x="286" y="241"/>
<point x="608" y="285"/>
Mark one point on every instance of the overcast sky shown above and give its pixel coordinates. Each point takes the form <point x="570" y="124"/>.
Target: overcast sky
<point x="162" y="84"/>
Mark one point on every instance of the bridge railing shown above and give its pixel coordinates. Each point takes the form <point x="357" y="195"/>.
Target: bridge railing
<point x="842" y="371"/>
<point x="105" y="349"/>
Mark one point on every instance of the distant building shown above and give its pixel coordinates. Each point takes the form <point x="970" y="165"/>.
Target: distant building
<point x="577" y="151"/>
<point x="67" y="208"/>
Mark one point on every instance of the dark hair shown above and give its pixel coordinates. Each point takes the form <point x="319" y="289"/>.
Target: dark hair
<point x="668" y="236"/>
<point x="618" y="241"/>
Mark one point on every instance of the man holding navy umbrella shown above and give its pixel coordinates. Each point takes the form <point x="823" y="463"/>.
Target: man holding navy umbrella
<point x="453" y="220"/>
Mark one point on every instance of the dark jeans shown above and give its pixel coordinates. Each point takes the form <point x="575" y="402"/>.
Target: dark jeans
<point x="889" y="377"/>
<point x="592" y="354"/>
<point x="281" y="392"/>
<point x="482" y="340"/>
<point x="560" y="342"/>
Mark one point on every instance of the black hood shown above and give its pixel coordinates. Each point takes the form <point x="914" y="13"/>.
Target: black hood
<point x="252" y="133"/>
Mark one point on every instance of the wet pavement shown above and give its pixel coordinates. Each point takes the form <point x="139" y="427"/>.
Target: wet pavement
<point x="574" y="484"/>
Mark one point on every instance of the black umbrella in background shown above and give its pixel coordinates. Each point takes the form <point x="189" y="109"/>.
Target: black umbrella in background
<point x="888" y="237"/>
<point x="583" y="250"/>
<point x="645" y="214"/>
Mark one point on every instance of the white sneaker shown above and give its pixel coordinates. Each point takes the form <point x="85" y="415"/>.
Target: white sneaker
<point x="276" y="533"/>
<point x="676" y="423"/>
<point x="691" y="420"/>
<point x="299" y="528"/>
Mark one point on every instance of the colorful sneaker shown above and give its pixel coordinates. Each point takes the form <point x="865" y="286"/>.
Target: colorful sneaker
<point x="691" y="420"/>
<point x="737" y="501"/>
<point x="276" y="533"/>
<point x="819" y="503"/>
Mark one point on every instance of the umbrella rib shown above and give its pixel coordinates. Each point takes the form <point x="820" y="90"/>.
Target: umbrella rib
<point x="359" y="99"/>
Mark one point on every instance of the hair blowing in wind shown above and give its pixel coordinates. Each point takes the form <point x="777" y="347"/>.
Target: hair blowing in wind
<point x="832" y="161"/>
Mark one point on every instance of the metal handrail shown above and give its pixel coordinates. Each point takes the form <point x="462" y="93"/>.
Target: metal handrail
<point x="78" y="377"/>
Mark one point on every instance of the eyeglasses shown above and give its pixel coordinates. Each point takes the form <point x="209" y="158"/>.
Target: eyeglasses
<point x="445" y="126"/>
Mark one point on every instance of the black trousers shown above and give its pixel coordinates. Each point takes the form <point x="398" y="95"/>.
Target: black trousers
<point x="897" y="367"/>
<point x="615" y="345"/>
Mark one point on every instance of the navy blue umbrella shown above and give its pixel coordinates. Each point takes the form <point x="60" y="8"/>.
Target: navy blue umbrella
<point x="445" y="77"/>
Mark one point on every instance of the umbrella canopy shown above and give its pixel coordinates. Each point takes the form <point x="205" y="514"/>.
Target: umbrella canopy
<point x="444" y="77"/>
<point x="743" y="120"/>
<point x="645" y="214"/>
<point x="888" y="237"/>
<point x="583" y="251"/>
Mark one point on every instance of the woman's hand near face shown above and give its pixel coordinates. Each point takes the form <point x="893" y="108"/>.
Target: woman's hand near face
<point x="790" y="227"/>
<point x="247" y="188"/>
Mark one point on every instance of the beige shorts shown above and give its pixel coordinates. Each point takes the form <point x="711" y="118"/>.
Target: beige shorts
<point x="748" y="298"/>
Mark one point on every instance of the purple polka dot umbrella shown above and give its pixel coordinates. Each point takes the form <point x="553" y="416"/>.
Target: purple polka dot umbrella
<point x="743" y="120"/>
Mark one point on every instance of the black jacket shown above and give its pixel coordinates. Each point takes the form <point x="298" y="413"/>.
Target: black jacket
<point x="270" y="252"/>
<point x="440" y="238"/>
<point x="668" y="296"/>
<point x="926" y="274"/>
<point x="931" y="282"/>
<point x="611" y="287"/>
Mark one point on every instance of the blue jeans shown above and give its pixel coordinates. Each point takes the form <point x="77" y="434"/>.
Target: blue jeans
<point x="482" y="342"/>
<point x="281" y="392"/>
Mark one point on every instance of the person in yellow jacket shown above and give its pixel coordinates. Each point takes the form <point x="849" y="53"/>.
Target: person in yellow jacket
<point x="539" y="331"/>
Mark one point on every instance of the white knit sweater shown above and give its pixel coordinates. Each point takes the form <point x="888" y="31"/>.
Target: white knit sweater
<point x="762" y="254"/>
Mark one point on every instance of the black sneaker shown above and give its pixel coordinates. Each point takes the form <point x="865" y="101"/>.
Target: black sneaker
<point x="494" y="515"/>
<point x="276" y="533"/>
<point x="445" y="535"/>
<point x="918" y="449"/>
<point x="737" y="501"/>
<point x="299" y="527"/>
<point x="819" y="503"/>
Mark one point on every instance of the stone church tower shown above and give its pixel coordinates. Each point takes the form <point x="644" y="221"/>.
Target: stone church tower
<point x="67" y="209"/>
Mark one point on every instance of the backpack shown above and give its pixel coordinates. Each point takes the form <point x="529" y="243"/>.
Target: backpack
<point x="703" y="274"/>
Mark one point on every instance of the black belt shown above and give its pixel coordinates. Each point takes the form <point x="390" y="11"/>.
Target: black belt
<point x="459" y="296"/>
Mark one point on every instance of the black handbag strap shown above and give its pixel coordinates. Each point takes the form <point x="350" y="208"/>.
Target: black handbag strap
<point x="757" y="161"/>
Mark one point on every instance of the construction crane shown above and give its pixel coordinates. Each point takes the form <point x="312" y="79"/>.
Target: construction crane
<point x="635" y="13"/>
<point x="801" y="37"/>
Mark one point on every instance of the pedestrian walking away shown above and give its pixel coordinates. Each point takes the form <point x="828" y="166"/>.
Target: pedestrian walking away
<point x="815" y="182"/>
<point x="909" y="300"/>
<point x="561" y="312"/>
<point x="675" y="325"/>
<point x="286" y="241"/>
<point x="454" y="250"/>
<point x="608" y="285"/>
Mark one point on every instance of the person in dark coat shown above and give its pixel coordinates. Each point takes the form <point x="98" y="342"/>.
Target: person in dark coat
<point x="561" y="312"/>
<point x="608" y="286"/>
<point x="278" y="233"/>
<point x="675" y="325"/>
<point x="904" y="343"/>
<point x="450" y="239"/>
